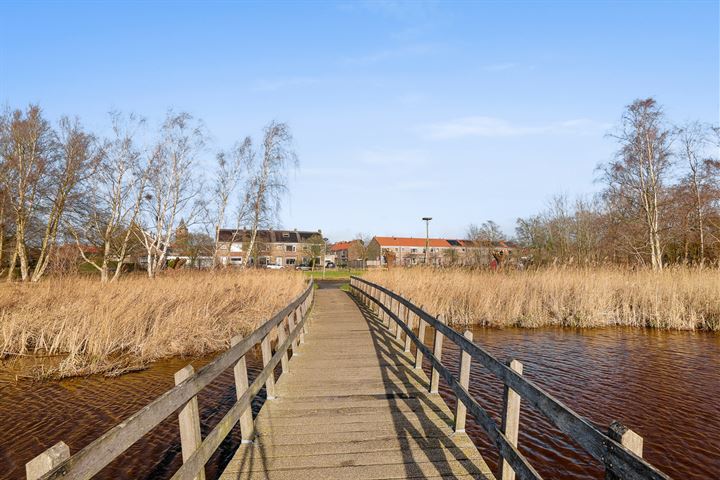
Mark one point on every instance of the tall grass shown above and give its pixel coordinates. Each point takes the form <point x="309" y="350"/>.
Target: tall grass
<point x="112" y="328"/>
<point x="674" y="299"/>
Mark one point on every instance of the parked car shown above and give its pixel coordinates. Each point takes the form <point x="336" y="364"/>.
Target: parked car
<point x="303" y="267"/>
<point x="272" y="266"/>
<point x="329" y="264"/>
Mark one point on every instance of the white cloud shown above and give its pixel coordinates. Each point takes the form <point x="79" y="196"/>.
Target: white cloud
<point x="479" y="126"/>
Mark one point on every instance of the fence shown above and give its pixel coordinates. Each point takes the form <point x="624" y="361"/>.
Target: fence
<point x="290" y="324"/>
<point x="619" y="450"/>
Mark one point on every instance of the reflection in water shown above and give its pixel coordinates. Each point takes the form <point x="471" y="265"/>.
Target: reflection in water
<point x="663" y="385"/>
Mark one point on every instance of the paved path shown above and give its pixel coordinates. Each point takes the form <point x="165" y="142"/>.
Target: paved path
<point x="353" y="407"/>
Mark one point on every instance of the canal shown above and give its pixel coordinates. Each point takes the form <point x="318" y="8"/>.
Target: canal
<point x="664" y="385"/>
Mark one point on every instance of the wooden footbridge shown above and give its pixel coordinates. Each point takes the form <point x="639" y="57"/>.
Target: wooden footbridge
<point x="352" y="402"/>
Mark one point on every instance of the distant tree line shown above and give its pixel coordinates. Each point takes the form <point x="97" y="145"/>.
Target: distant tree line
<point x="660" y="203"/>
<point x="66" y="192"/>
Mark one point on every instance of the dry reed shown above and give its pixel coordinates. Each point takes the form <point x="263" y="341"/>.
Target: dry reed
<point x="682" y="299"/>
<point x="117" y="327"/>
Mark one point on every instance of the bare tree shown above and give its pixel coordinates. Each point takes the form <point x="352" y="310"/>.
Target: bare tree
<point x="173" y="191"/>
<point x="116" y="191"/>
<point x="230" y="170"/>
<point x="694" y="139"/>
<point x="27" y="157"/>
<point x="268" y="183"/>
<point x="636" y="176"/>
<point x="75" y="160"/>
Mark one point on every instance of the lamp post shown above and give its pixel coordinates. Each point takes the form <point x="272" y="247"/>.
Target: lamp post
<point x="427" y="237"/>
<point x="325" y="240"/>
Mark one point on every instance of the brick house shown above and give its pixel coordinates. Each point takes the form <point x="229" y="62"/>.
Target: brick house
<point x="348" y="253"/>
<point x="408" y="251"/>
<point x="287" y="248"/>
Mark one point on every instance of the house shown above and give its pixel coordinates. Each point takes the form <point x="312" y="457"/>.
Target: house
<point x="287" y="248"/>
<point x="408" y="251"/>
<point x="349" y="253"/>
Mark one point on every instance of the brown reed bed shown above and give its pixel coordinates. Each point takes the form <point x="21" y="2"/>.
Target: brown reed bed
<point x="682" y="299"/>
<point x="84" y="327"/>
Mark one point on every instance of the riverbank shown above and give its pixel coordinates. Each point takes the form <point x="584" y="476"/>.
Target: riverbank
<point x="82" y="327"/>
<point x="682" y="299"/>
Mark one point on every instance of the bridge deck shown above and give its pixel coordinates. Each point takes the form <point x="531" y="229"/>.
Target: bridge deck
<point x="353" y="407"/>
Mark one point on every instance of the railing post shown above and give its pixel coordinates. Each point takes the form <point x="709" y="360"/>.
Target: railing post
<point x="298" y="318"/>
<point x="266" y="356"/>
<point x="464" y="378"/>
<point x="421" y="336"/>
<point x="291" y="327"/>
<point x="46" y="461"/>
<point x="627" y="438"/>
<point x="399" y="331"/>
<point x="281" y="339"/>
<point x="510" y="420"/>
<point x="392" y="325"/>
<point x="189" y="419"/>
<point x="409" y="323"/>
<point x="247" y="428"/>
<point x="437" y="352"/>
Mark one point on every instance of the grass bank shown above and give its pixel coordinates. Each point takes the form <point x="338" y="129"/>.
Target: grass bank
<point x="682" y="299"/>
<point x="94" y="328"/>
<point x="334" y="273"/>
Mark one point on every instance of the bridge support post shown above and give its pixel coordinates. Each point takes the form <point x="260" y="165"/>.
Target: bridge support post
<point x="267" y="356"/>
<point x="46" y="461"/>
<point x="437" y="351"/>
<point x="510" y="421"/>
<point x="628" y="439"/>
<point x="247" y="427"/>
<point x="464" y="378"/>
<point x="189" y="419"/>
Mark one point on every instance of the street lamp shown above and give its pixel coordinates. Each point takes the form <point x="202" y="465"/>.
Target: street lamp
<point x="325" y="240"/>
<point x="427" y="237"/>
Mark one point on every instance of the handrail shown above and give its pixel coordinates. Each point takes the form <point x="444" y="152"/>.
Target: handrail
<point x="98" y="454"/>
<point x="617" y="458"/>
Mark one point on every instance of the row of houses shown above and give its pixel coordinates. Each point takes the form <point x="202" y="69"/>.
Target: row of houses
<point x="409" y="251"/>
<point x="290" y="248"/>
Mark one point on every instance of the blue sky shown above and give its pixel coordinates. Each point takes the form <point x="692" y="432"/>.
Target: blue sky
<point x="460" y="111"/>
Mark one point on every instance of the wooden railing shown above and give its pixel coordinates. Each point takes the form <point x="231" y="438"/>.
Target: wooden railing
<point x="619" y="450"/>
<point x="291" y="326"/>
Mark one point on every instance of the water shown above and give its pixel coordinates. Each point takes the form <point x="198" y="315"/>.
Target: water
<point x="663" y="385"/>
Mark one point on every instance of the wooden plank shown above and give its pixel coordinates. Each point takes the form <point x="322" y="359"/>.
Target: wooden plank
<point x="374" y="421"/>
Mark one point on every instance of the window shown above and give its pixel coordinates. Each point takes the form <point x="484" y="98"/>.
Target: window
<point x="290" y="248"/>
<point x="289" y="261"/>
<point x="413" y="250"/>
<point x="236" y="247"/>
